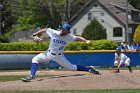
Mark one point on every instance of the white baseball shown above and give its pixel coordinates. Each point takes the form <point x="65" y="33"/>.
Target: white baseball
<point x="88" y="41"/>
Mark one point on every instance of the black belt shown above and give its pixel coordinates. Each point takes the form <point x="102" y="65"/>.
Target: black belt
<point x="54" y="53"/>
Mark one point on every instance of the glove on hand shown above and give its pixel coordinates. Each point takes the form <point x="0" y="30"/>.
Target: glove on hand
<point x="37" y="39"/>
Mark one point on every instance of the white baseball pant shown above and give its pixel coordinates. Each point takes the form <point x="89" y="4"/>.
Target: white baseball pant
<point x="126" y="62"/>
<point x="60" y="59"/>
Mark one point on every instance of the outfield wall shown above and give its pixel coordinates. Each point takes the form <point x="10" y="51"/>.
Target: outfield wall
<point x="22" y="59"/>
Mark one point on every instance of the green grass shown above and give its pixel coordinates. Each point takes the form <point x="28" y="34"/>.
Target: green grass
<point x="16" y="77"/>
<point x="100" y="68"/>
<point x="9" y="78"/>
<point x="80" y="91"/>
<point x="14" y="70"/>
<point x="21" y="70"/>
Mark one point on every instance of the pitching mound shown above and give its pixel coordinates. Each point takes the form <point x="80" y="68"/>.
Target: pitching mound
<point x="74" y="80"/>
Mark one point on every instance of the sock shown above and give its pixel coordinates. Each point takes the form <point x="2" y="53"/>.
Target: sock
<point x="81" y="68"/>
<point x="33" y="69"/>
<point x="129" y="67"/>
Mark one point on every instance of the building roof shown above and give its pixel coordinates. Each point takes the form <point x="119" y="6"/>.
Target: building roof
<point x="79" y="12"/>
<point x="114" y="8"/>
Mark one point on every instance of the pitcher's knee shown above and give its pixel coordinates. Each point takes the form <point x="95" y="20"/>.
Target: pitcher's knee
<point x="35" y="60"/>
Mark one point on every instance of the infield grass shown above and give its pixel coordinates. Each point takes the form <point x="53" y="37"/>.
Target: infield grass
<point x="79" y="91"/>
<point x="16" y="77"/>
<point x="100" y="68"/>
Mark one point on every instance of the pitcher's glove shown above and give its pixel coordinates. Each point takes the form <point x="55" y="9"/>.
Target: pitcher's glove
<point x="37" y="39"/>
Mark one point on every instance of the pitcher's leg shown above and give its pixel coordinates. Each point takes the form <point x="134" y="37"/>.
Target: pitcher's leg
<point x="34" y="67"/>
<point x="38" y="58"/>
<point x="66" y="64"/>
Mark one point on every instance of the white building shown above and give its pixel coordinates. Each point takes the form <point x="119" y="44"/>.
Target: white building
<point x="111" y="14"/>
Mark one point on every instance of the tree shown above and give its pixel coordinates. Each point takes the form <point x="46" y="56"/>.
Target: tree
<point x="8" y="14"/>
<point x="39" y="13"/>
<point x="20" y="15"/>
<point x="135" y="3"/>
<point x="94" y="31"/>
<point x="137" y="35"/>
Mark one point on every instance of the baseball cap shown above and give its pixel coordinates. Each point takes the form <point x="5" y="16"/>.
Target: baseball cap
<point x="118" y="49"/>
<point x="66" y="26"/>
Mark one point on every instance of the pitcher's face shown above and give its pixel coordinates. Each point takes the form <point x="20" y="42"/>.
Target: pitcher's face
<point x="64" y="32"/>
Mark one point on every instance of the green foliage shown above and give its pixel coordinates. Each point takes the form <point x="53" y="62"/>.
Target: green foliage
<point x="135" y="3"/>
<point x="27" y="14"/>
<point x="32" y="15"/>
<point x="3" y="39"/>
<point x="23" y="46"/>
<point x="8" y="16"/>
<point x="103" y="45"/>
<point x="75" y="46"/>
<point x="20" y="15"/>
<point x="16" y="28"/>
<point x="40" y="13"/>
<point x="137" y="35"/>
<point x="94" y="31"/>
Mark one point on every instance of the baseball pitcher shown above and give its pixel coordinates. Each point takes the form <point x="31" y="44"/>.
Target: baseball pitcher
<point x="58" y="41"/>
<point x="121" y="58"/>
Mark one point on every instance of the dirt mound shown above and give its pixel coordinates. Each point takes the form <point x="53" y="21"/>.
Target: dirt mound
<point x="74" y="80"/>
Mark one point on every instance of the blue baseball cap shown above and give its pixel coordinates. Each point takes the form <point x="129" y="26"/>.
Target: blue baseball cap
<point x="66" y="26"/>
<point x="118" y="49"/>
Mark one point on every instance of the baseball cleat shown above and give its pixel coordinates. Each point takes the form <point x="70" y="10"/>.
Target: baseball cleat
<point x="93" y="70"/>
<point x="27" y="79"/>
<point x="131" y="71"/>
